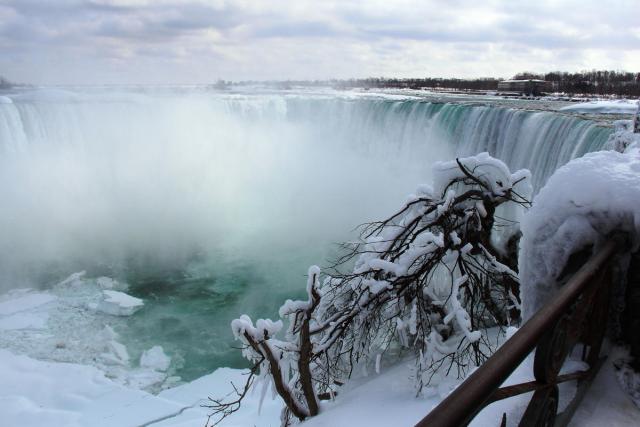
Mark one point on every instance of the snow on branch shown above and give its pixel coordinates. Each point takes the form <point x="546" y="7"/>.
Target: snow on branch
<point x="426" y="282"/>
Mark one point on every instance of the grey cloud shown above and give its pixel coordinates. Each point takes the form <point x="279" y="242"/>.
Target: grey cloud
<point x="189" y="34"/>
<point x="295" y="29"/>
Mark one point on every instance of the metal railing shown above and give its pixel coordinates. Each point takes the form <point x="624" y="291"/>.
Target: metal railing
<point x="576" y="313"/>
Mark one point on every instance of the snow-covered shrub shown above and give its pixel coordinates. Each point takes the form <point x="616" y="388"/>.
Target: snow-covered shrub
<point x="426" y="281"/>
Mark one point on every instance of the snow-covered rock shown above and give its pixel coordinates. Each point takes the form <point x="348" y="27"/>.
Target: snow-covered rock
<point x="118" y="303"/>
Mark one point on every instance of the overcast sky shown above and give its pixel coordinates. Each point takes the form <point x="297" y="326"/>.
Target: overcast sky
<point x="200" y="41"/>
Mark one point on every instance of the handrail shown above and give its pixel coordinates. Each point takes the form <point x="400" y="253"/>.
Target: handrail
<point x="464" y="403"/>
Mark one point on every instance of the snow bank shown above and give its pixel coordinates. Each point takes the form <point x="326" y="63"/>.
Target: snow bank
<point x="582" y="203"/>
<point x="621" y="106"/>
<point x="34" y="393"/>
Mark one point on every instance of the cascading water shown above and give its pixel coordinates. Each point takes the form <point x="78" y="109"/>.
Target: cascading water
<point x="211" y="205"/>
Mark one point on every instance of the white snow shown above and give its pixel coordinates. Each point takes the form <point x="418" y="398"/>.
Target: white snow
<point x="582" y="203"/>
<point x="491" y="171"/>
<point x="622" y="136"/>
<point x="388" y="399"/>
<point x="36" y="393"/>
<point x="621" y="106"/>
<point x="606" y="404"/>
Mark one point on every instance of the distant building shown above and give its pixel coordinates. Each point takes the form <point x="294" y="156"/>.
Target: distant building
<point x="525" y="87"/>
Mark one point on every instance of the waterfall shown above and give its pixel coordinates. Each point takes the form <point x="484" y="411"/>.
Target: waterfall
<point x="540" y="141"/>
<point x="215" y="204"/>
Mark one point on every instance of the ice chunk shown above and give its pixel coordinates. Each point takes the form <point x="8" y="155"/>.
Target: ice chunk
<point x="28" y="301"/>
<point x="118" y="303"/>
<point x="116" y="354"/>
<point x="72" y="279"/>
<point x="155" y="359"/>
<point x="24" y="321"/>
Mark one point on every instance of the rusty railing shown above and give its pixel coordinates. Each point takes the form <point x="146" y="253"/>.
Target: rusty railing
<point x="576" y="314"/>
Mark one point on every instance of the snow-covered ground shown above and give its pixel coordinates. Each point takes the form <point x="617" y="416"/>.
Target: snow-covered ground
<point x="606" y="404"/>
<point x="621" y="106"/>
<point x="102" y="387"/>
<point x="36" y="393"/>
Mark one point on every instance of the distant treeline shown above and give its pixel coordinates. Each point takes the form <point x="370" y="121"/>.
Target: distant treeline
<point x="591" y="82"/>
<point x="582" y="83"/>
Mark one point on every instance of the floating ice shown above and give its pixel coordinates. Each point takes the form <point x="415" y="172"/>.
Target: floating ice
<point x="23" y="300"/>
<point x="155" y="359"/>
<point x="118" y="303"/>
<point x="116" y="354"/>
